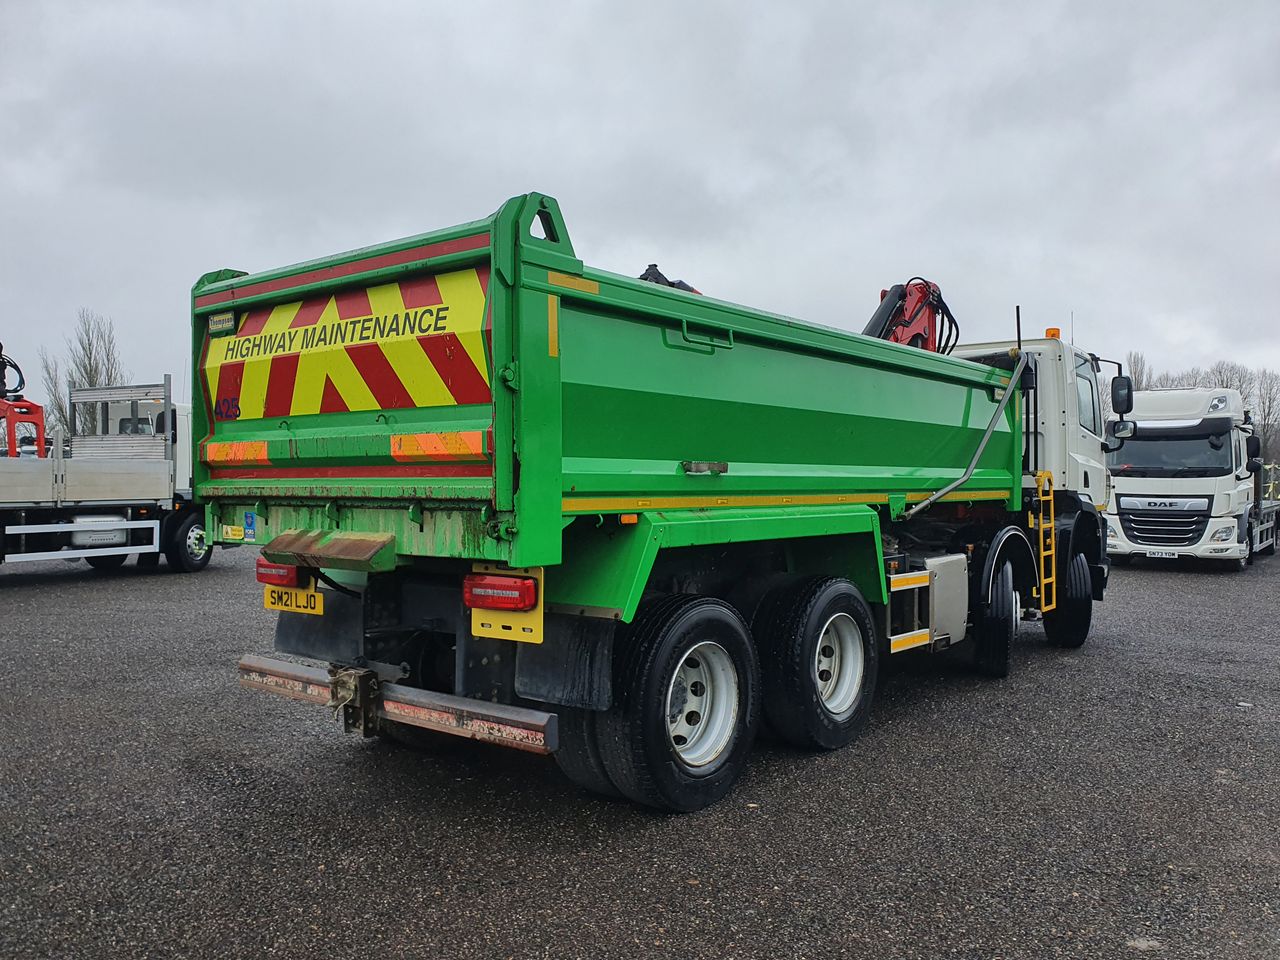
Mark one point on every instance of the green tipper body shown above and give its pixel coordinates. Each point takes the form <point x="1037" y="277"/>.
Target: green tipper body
<point x="477" y="393"/>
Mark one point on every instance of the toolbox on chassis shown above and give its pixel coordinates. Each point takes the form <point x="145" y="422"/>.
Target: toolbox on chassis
<point x="505" y="496"/>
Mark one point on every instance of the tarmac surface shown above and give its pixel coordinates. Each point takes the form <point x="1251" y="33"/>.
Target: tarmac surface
<point x="1120" y="800"/>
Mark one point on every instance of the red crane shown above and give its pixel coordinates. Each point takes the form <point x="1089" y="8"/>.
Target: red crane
<point x="16" y="409"/>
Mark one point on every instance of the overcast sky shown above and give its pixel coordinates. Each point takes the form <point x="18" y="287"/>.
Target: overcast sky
<point x="1121" y="161"/>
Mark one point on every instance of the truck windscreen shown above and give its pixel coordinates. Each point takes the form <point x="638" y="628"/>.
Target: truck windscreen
<point x="1154" y="456"/>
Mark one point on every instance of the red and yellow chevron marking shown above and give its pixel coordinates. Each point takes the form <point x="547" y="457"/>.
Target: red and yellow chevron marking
<point x="464" y="445"/>
<point x="416" y="343"/>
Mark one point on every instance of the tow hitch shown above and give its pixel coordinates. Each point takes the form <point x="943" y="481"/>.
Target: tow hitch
<point x="368" y="705"/>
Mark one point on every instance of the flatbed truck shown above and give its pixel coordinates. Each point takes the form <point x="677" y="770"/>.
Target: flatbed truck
<point x="118" y="485"/>
<point x="502" y="495"/>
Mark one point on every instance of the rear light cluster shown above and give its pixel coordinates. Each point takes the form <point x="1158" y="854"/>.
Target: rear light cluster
<point x="281" y="574"/>
<point x="487" y="591"/>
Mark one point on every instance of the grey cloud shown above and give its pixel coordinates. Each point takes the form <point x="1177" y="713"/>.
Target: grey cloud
<point x="1116" y="160"/>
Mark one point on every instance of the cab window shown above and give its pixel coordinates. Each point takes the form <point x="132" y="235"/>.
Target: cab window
<point x="1087" y="396"/>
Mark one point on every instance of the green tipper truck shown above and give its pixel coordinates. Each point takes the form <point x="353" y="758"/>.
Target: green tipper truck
<point x="502" y="495"/>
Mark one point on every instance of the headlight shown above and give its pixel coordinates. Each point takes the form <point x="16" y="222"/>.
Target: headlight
<point x="1111" y="533"/>
<point x="1223" y="535"/>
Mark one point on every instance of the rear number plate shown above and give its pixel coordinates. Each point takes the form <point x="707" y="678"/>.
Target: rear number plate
<point x="293" y="600"/>
<point x="1162" y="555"/>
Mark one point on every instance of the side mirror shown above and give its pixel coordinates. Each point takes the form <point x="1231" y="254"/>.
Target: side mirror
<point x="1252" y="447"/>
<point x="1121" y="395"/>
<point x="1254" y="466"/>
<point x="1119" y="431"/>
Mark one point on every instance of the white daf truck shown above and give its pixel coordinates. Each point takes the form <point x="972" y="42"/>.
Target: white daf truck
<point x="118" y="486"/>
<point x="1187" y="481"/>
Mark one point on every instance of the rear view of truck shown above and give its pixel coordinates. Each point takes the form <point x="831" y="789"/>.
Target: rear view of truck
<point x="502" y="495"/>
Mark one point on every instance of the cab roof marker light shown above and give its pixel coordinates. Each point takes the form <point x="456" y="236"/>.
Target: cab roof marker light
<point x="1218" y="403"/>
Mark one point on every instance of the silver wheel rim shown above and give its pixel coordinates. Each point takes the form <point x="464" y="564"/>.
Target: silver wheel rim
<point x="196" y="546"/>
<point x="702" y="704"/>
<point x="838" y="664"/>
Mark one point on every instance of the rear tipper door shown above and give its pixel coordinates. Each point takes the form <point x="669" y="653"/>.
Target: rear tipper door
<point x="357" y="384"/>
<point x="410" y="389"/>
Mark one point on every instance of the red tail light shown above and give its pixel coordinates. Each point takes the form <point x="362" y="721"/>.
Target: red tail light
<point x="280" y="574"/>
<point x="487" y="591"/>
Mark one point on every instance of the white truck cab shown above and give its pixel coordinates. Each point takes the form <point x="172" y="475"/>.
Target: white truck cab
<point x="1185" y="481"/>
<point x="1064" y="426"/>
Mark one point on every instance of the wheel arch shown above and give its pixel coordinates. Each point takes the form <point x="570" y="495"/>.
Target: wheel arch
<point x="1009" y="544"/>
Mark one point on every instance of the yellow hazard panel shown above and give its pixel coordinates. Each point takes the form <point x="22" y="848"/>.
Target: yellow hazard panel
<point x="525" y="626"/>
<point x="418" y="342"/>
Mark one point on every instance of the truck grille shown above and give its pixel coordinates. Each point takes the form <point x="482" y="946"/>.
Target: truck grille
<point x="1170" y="528"/>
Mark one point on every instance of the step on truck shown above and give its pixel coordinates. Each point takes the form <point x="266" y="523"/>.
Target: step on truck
<point x="1188" y="483"/>
<point x="501" y="495"/>
<point x="116" y="484"/>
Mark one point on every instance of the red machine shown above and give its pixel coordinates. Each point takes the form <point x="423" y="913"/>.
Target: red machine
<point x="915" y="314"/>
<point x="15" y="410"/>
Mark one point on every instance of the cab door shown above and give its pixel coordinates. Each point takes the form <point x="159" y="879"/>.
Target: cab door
<point x="1089" y="475"/>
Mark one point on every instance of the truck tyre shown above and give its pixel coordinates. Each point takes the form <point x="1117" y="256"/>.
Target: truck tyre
<point x="686" y="704"/>
<point x="187" y="550"/>
<point x="1067" y="625"/>
<point x="995" y="627"/>
<point x="578" y="756"/>
<point x="1248" y="545"/>
<point x="818" y="662"/>
<point x="112" y="562"/>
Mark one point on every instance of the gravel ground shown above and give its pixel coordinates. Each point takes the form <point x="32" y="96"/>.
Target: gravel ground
<point x="1118" y="800"/>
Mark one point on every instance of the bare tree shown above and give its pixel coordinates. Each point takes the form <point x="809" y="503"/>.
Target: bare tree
<point x="1266" y="410"/>
<point x="1139" y="369"/>
<point x="1232" y="375"/>
<point x="91" y="358"/>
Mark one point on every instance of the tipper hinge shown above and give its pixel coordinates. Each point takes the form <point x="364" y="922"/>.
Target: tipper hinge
<point x="501" y="528"/>
<point x="510" y="376"/>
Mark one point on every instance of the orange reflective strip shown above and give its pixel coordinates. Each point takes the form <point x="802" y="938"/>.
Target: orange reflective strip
<point x="553" y="326"/>
<point x="466" y="445"/>
<point x="251" y="453"/>
<point x="572" y="283"/>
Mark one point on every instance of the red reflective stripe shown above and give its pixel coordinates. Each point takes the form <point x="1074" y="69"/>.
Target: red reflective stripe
<point x="254" y="322"/>
<point x="331" y="400"/>
<point x="425" y="252"/>
<point x="379" y="376"/>
<point x="309" y="312"/>
<point x="420" y="292"/>
<point x="353" y="304"/>
<point x="229" y="377"/>
<point x="280" y="381"/>
<point x="447" y="355"/>
<point x="385" y="470"/>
